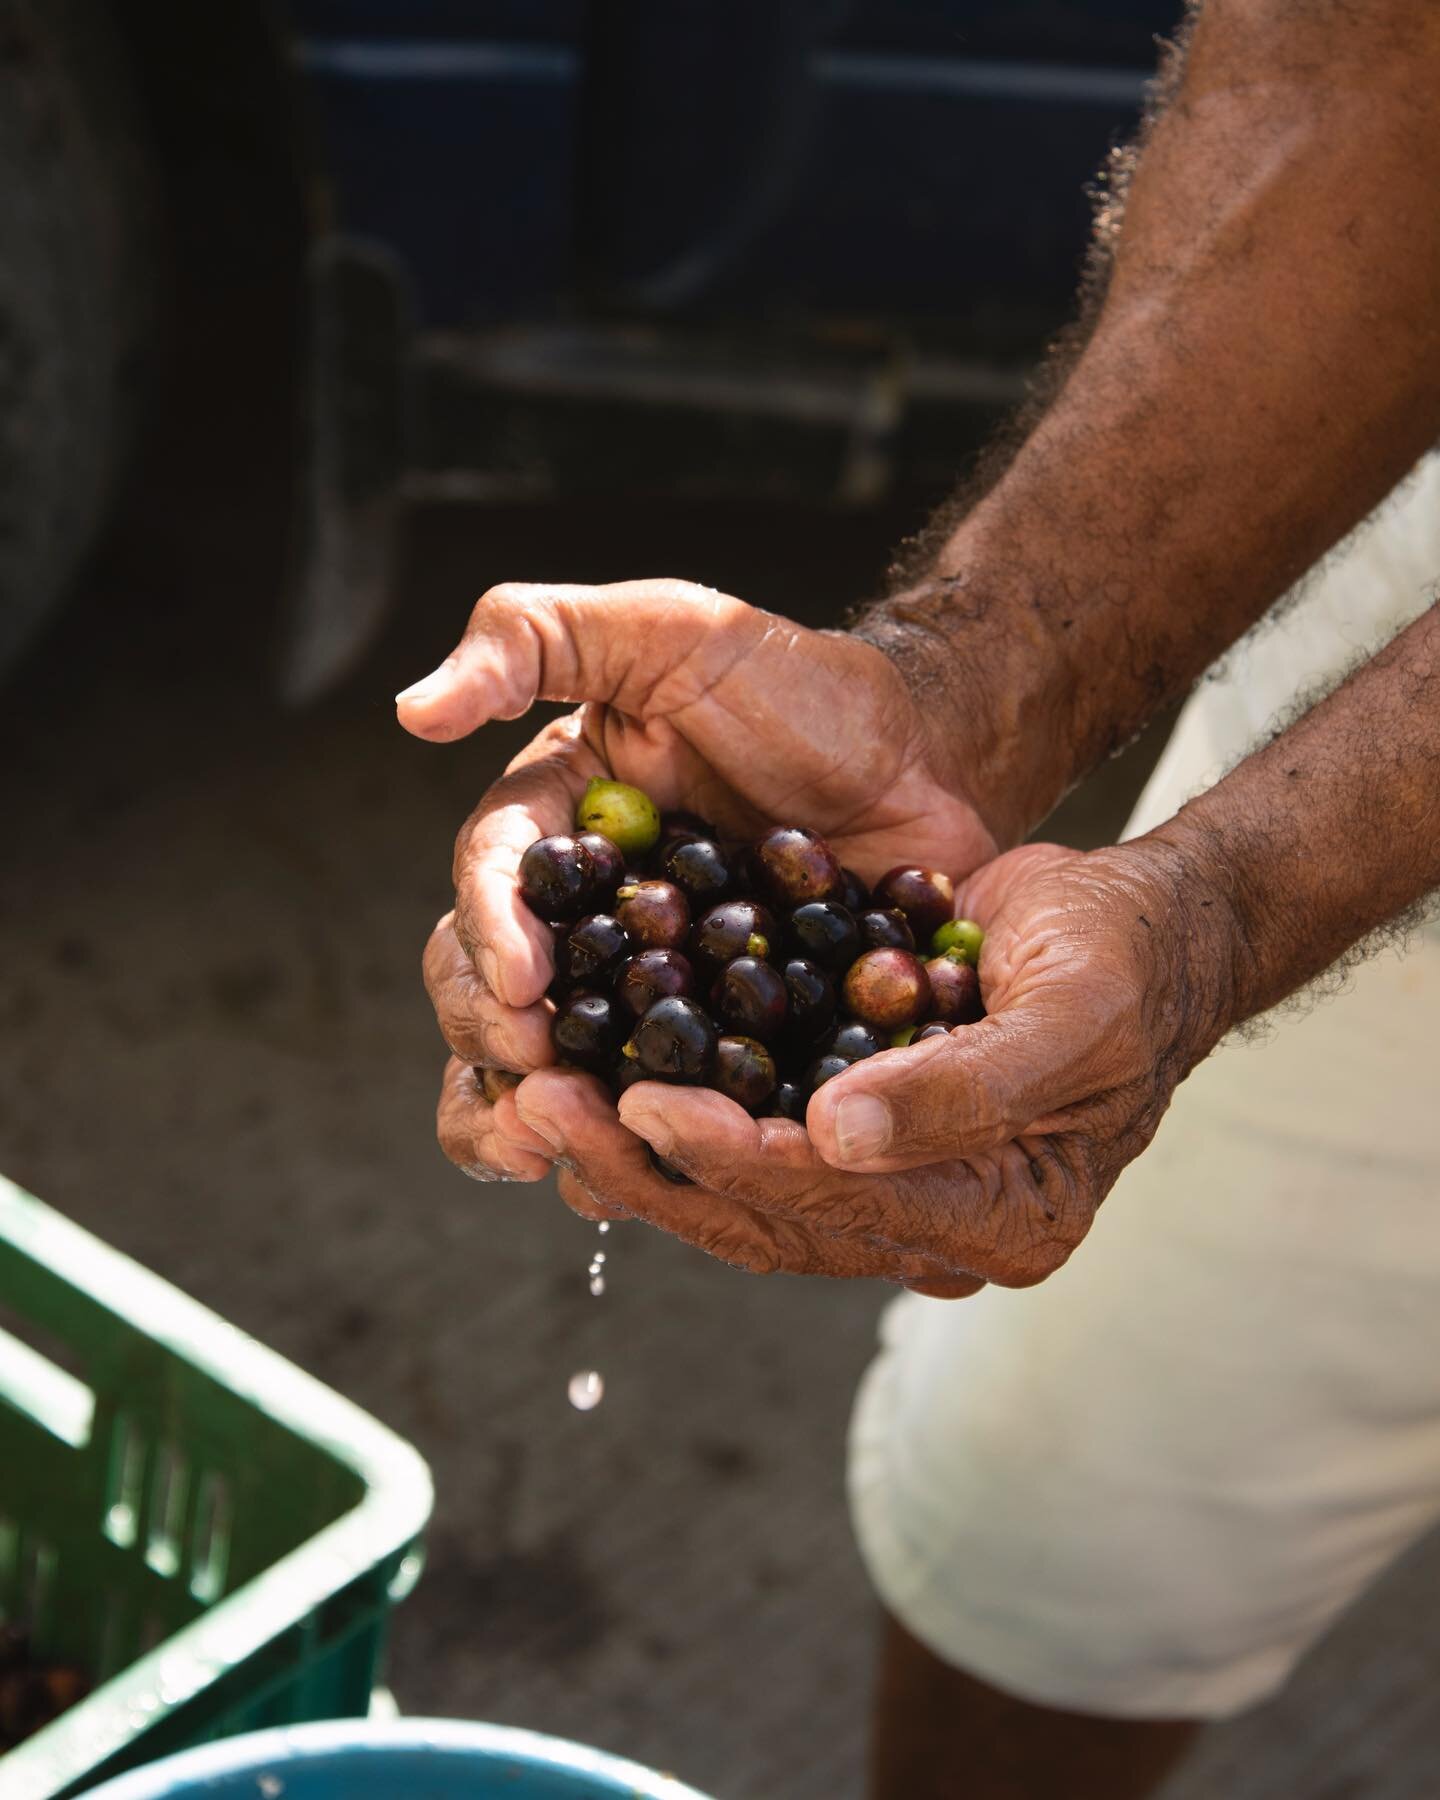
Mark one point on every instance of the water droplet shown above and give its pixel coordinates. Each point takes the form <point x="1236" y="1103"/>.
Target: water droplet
<point x="270" y="1786"/>
<point x="586" y="1390"/>
<point x="603" y="1227"/>
<point x="598" y="1257"/>
<point x="597" y="1285"/>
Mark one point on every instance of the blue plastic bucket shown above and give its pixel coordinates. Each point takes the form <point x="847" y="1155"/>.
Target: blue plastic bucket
<point x="399" y="1759"/>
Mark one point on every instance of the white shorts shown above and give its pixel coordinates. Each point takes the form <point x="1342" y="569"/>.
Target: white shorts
<point x="1144" y="1488"/>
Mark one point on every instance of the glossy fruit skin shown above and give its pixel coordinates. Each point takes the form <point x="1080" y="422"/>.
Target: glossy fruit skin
<point x="826" y="1069"/>
<point x="587" y="1030"/>
<point x="792" y="866"/>
<point x="592" y="950"/>
<point x="675" y="1038"/>
<point x="787" y="1102"/>
<point x="888" y="989"/>
<point x="963" y="935"/>
<point x="744" y="1072"/>
<point x="655" y="913"/>
<point x="698" y="868"/>
<point x="853" y="893"/>
<point x="733" y="928"/>
<point x="885" y="928"/>
<point x="667" y="1169"/>
<point x="926" y="897"/>
<point x="825" y="932"/>
<point x="750" y="998"/>
<point x="856" y="1040"/>
<point x="495" y="1083"/>
<point x="652" y="975"/>
<point x="609" y="865"/>
<point x="557" y="877"/>
<point x="954" y="989"/>
<point x="625" y="815"/>
<point x="812" y="1000"/>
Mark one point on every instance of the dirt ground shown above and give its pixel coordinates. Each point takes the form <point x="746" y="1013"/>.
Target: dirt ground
<point x="217" y="1054"/>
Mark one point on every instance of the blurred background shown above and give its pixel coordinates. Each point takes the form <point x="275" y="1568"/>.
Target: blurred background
<point x="316" y="320"/>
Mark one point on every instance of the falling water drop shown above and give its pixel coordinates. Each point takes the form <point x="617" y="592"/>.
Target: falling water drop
<point x="586" y="1390"/>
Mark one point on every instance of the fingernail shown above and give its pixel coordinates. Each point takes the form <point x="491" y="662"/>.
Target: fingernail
<point x="434" y="683"/>
<point x="862" y="1127"/>
<point x="490" y="971"/>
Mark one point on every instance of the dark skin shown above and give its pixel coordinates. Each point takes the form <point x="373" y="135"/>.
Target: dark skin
<point x="1264" y="367"/>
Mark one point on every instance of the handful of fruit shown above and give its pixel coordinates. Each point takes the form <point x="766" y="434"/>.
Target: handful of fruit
<point x="761" y="972"/>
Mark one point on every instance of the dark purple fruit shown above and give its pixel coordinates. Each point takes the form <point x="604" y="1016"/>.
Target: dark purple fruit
<point x="853" y="892"/>
<point x="885" y="928"/>
<point x="609" y="864"/>
<point x="557" y="877"/>
<point x="793" y="866"/>
<point x="587" y="1030"/>
<point x="749" y="997"/>
<point x="667" y="1169"/>
<point x="954" y="989"/>
<point x="930" y="1031"/>
<point x="679" y="824"/>
<point x="654" y="975"/>
<point x="625" y="1073"/>
<point x="856" y="1040"/>
<point x="825" y="1070"/>
<point x="698" y="868"/>
<point x="734" y="928"/>
<point x="812" y="999"/>
<point x="494" y="1083"/>
<point x="744" y="1072"/>
<point x="888" y="988"/>
<point x="926" y="898"/>
<point x="655" y="913"/>
<point x="787" y="1102"/>
<point x="674" y="1038"/>
<point x="825" y="932"/>
<point x="591" y="950"/>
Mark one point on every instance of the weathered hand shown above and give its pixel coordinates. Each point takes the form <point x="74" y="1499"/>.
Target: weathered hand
<point x="706" y="703"/>
<point x="978" y="1157"/>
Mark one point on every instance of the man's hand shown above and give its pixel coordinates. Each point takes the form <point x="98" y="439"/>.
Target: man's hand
<point x="978" y="1157"/>
<point x="707" y="704"/>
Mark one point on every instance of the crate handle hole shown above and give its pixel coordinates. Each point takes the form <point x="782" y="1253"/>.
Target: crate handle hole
<point x="126" y="1484"/>
<point x="167" y="1510"/>
<point x="210" y="1540"/>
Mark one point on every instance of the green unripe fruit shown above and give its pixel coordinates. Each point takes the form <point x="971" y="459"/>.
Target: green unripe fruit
<point x="958" y="935"/>
<point x="621" y="813"/>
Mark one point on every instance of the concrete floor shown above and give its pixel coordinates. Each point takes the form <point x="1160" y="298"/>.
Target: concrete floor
<point x="216" y="1053"/>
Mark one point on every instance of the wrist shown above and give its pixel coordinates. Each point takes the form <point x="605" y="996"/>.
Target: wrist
<point x="992" y="694"/>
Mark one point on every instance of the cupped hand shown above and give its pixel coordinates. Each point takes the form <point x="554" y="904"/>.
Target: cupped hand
<point x="709" y="705"/>
<point x="981" y="1156"/>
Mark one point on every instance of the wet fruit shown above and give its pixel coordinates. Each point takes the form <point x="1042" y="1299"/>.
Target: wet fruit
<point x="733" y="928"/>
<point x="653" y="975"/>
<point x="963" y="935"/>
<point x="621" y="813"/>
<point x="954" y="989"/>
<point x="587" y="1030"/>
<point x="885" y="928"/>
<point x="677" y="1038"/>
<point x="926" y="898"/>
<point x="826" y="1069"/>
<point x="750" y="997"/>
<point x="698" y="868"/>
<point x="609" y="865"/>
<point x="655" y="913"/>
<point x="793" y="865"/>
<point x="557" y="877"/>
<point x="887" y="988"/>
<point x="744" y="1072"/>
<point x="787" y="1102"/>
<point x="592" y="950"/>
<point x="812" y="1000"/>
<point x="856" y="1040"/>
<point x="825" y="932"/>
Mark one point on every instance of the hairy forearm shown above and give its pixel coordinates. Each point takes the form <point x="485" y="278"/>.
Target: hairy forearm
<point x="1314" y="842"/>
<point x="1264" y="368"/>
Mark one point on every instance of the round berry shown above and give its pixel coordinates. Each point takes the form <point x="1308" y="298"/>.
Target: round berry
<point x="825" y="932"/>
<point x="793" y="865"/>
<point x="557" y="877"/>
<point x="621" y="813"/>
<point x="888" y="988"/>
<point x="926" y="898"/>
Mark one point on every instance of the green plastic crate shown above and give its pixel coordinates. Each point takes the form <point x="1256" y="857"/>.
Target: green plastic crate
<point x="215" y="1536"/>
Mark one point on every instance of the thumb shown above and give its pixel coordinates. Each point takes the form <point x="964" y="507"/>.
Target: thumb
<point x="960" y="1095"/>
<point x="618" y="644"/>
